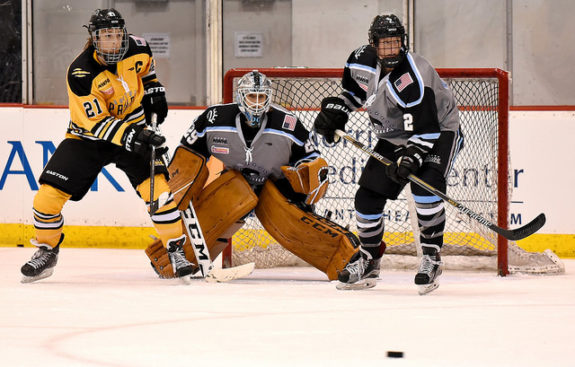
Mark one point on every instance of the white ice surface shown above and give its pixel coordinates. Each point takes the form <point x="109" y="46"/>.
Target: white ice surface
<point x="108" y="308"/>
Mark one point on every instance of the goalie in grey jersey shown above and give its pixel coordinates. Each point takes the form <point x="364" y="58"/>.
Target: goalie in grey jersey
<point x="271" y="166"/>
<point x="414" y="115"/>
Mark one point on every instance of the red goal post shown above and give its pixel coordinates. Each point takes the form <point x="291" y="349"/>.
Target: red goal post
<point x="483" y="181"/>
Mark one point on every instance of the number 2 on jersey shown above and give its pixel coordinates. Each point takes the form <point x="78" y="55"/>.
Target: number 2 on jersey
<point x="407" y="122"/>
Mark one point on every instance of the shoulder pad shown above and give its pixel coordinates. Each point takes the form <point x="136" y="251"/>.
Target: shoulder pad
<point x="220" y="114"/>
<point x="279" y="118"/>
<point x="364" y="55"/>
<point x="137" y="45"/>
<point x="406" y="83"/>
<point x="81" y="73"/>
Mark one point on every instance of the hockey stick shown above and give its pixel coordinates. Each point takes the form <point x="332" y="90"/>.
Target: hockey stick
<point x="510" y="234"/>
<point x="197" y="240"/>
<point x="153" y="203"/>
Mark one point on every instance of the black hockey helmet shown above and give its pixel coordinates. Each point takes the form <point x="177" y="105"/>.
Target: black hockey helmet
<point x="388" y="26"/>
<point x="108" y="19"/>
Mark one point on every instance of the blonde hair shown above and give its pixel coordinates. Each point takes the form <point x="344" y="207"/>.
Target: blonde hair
<point x="88" y="43"/>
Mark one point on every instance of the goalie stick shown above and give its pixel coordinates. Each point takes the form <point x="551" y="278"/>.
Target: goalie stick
<point x="209" y="272"/>
<point x="511" y="234"/>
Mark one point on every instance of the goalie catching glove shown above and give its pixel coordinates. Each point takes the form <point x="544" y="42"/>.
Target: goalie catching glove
<point x="139" y="140"/>
<point x="308" y="178"/>
<point x="154" y="101"/>
<point x="333" y="116"/>
<point x="409" y="161"/>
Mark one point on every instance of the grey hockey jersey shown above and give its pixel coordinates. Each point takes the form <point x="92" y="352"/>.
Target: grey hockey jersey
<point x="281" y="140"/>
<point x="411" y="105"/>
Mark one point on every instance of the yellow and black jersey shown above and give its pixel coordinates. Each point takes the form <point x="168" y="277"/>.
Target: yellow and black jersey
<point x="105" y="99"/>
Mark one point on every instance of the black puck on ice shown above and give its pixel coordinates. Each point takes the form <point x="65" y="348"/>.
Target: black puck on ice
<point x="394" y="354"/>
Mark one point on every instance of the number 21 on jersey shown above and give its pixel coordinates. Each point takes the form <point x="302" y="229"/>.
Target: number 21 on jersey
<point x="90" y="109"/>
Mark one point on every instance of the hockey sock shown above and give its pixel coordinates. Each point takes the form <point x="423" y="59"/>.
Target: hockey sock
<point x="166" y="219"/>
<point x="431" y="219"/>
<point x="48" y="220"/>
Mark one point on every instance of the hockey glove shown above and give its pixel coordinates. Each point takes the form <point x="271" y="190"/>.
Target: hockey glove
<point x="409" y="161"/>
<point x="154" y="101"/>
<point x="309" y="178"/>
<point x="138" y="139"/>
<point x="333" y="116"/>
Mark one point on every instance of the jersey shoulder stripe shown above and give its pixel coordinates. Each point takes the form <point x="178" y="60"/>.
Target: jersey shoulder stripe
<point x="82" y="72"/>
<point x="137" y="45"/>
<point x="406" y="83"/>
<point x="365" y="56"/>
<point x="220" y="115"/>
<point x="360" y="68"/>
<point x="286" y="122"/>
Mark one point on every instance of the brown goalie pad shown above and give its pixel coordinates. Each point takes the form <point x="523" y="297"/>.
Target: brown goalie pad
<point x="158" y="255"/>
<point x="314" y="239"/>
<point x="188" y="175"/>
<point x="219" y="207"/>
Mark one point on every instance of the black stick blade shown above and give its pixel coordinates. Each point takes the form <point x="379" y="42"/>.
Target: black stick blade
<point x="525" y="231"/>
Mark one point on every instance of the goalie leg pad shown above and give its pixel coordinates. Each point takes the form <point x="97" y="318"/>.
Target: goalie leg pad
<point x="188" y="175"/>
<point x="158" y="255"/>
<point x="314" y="239"/>
<point x="219" y="208"/>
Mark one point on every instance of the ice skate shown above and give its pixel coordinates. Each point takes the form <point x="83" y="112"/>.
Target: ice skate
<point x="183" y="269"/>
<point x="42" y="263"/>
<point x="429" y="271"/>
<point x="361" y="272"/>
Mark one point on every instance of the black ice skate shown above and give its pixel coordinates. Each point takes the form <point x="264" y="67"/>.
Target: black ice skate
<point x="361" y="272"/>
<point x="42" y="263"/>
<point x="182" y="267"/>
<point x="429" y="271"/>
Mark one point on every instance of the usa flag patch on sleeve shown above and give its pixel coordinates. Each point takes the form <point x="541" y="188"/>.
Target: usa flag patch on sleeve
<point x="403" y="82"/>
<point x="289" y="122"/>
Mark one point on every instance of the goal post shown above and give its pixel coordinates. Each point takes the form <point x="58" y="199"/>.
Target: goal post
<point x="480" y="176"/>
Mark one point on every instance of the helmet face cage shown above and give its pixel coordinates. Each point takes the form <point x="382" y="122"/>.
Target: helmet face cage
<point x="254" y="96"/>
<point x="384" y="26"/>
<point x="103" y="25"/>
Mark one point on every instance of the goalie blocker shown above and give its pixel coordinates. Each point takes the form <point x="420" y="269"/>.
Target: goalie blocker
<point x="221" y="205"/>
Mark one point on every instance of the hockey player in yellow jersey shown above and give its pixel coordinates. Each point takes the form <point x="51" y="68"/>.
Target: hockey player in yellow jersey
<point x="113" y="93"/>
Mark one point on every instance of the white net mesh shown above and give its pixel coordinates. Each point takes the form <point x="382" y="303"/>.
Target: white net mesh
<point x="473" y="181"/>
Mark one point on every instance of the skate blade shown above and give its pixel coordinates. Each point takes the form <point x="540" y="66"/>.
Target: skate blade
<point x="427" y="288"/>
<point x="362" y="284"/>
<point x="45" y="274"/>
<point x="221" y="275"/>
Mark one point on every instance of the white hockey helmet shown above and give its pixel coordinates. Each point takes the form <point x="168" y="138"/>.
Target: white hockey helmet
<point x="254" y="96"/>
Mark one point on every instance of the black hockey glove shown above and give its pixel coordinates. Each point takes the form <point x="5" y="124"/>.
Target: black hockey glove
<point x="154" y="101"/>
<point x="333" y="116"/>
<point x="139" y="140"/>
<point x="409" y="161"/>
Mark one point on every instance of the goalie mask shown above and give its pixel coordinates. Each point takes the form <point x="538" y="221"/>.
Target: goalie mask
<point x="386" y="26"/>
<point x="254" y="96"/>
<point x="109" y="36"/>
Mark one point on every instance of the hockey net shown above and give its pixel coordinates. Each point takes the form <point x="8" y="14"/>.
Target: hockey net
<point x="479" y="178"/>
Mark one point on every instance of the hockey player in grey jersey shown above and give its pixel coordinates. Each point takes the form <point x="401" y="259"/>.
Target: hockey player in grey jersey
<point x="414" y="115"/>
<point x="254" y="137"/>
<point x="267" y="149"/>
